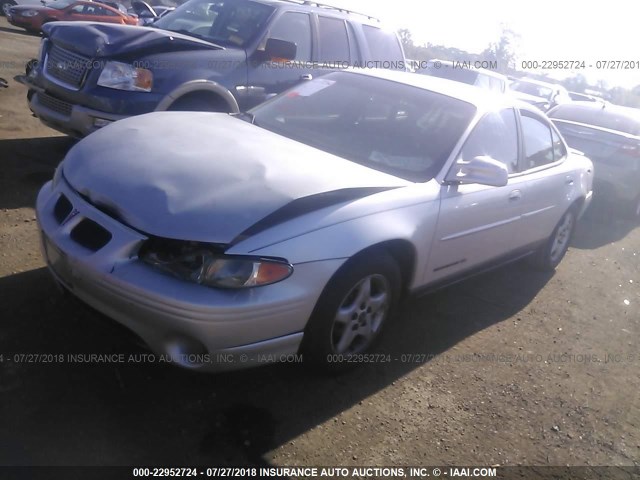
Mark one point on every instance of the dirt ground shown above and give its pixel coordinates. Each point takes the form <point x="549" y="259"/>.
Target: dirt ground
<point x="511" y="368"/>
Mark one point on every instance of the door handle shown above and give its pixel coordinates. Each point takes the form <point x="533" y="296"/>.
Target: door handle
<point x="515" y="195"/>
<point x="307" y="76"/>
<point x="568" y="181"/>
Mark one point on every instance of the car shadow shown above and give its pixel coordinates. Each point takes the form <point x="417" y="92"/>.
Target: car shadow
<point x="602" y="224"/>
<point x="26" y="164"/>
<point x="19" y="31"/>
<point x="63" y="410"/>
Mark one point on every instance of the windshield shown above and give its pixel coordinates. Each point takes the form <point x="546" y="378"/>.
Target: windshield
<point x="395" y="128"/>
<point x="531" y="89"/>
<point x="60" y="4"/>
<point x="225" y="22"/>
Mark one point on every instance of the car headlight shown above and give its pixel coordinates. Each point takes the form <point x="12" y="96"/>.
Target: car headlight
<point x="123" y="76"/>
<point x="198" y="264"/>
<point x="29" y="13"/>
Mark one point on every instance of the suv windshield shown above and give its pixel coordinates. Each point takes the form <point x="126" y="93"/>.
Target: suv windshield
<point x="395" y="128"/>
<point x="532" y="89"/>
<point x="226" y="22"/>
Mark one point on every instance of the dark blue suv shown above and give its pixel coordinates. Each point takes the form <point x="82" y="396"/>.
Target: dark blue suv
<point x="211" y="55"/>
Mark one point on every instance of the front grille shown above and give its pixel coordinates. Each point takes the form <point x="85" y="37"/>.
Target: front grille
<point x="90" y="235"/>
<point x="66" y="67"/>
<point x="55" y="104"/>
<point x="62" y="209"/>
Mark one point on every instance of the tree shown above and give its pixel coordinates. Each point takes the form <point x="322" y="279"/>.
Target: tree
<point x="503" y="51"/>
<point x="407" y="42"/>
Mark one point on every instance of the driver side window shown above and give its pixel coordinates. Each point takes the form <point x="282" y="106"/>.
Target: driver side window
<point x="294" y="27"/>
<point x="495" y="136"/>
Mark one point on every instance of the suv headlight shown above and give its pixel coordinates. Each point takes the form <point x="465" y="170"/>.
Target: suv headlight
<point x="123" y="76"/>
<point x="198" y="264"/>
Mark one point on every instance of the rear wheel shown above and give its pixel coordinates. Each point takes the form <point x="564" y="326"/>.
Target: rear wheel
<point x="5" y="5"/>
<point x="352" y="311"/>
<point x="553" y="251"/>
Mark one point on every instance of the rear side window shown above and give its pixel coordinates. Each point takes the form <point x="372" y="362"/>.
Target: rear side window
<point x="538" y="144"/>
<point x="334" y="41"/>
<point x="383" y="45"/>
<point x="294" y="27"/>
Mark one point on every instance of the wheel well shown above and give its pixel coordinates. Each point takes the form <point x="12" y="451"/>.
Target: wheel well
<point x="201" y="99"/>
<point x="403" y="252"/>
<point x="577" y="204"/>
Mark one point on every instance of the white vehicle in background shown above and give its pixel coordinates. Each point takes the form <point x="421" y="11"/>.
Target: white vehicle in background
<point x="299" y="225"/>
<point x="542" y="95"/>
<point x="459" y="72"/>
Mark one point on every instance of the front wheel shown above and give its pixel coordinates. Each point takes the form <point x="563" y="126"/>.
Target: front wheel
<point x="5" y="5"/>
<point x="352" y="311"/>
<point x="553" y="251"/>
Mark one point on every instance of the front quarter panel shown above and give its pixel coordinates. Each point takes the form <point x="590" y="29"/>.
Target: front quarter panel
<point x="340" y="234"/>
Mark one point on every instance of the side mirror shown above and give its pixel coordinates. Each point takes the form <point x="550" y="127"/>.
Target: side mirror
<point x="280" y="49"/>
<point x="483" y="170"/>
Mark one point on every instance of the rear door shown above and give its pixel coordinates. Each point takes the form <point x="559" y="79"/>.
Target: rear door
<point x="550" y="181"/>
<point x="479" y="223"/>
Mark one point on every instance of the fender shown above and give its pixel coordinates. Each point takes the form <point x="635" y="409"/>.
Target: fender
<point x="199" y="86"/>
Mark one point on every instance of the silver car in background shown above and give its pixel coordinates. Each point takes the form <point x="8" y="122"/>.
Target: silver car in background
<point x="610" y="136"/>
<point x="298" y="226"/>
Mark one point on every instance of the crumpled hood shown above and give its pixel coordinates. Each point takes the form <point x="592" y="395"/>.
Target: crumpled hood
<point x="107" y="40"/>
<point x="207" y="176"/>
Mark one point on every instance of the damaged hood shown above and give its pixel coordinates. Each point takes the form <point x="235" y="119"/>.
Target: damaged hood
<point x="107" y="40"/>
<point x="210" y="177"/>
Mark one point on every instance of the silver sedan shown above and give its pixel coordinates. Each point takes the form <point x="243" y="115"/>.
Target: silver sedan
<point x="226" y="241"/>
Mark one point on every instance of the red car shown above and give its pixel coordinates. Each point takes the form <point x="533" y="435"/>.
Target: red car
<point x="32" y="18"/>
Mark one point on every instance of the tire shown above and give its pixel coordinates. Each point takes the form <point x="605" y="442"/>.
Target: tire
<point x="352" y="311"/>
<point x="549" y="256"/>
<point x="5" y="5"/>
<point x="198" y="103"/>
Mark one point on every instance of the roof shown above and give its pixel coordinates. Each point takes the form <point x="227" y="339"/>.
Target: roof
<point x="538" y="82"/>
<point x="484" y="71"/>
<point x="318" y="7"/>
<point x="481" y="99"/>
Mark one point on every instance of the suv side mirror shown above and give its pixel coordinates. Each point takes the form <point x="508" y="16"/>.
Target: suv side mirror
<point x="483" y="170"/>
<point x="280" y="49"/>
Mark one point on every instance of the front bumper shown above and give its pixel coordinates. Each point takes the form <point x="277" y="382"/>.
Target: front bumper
<point x="192" y="325"/>
<point x="30" y="23"/>
<point x="70" y="119"/>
